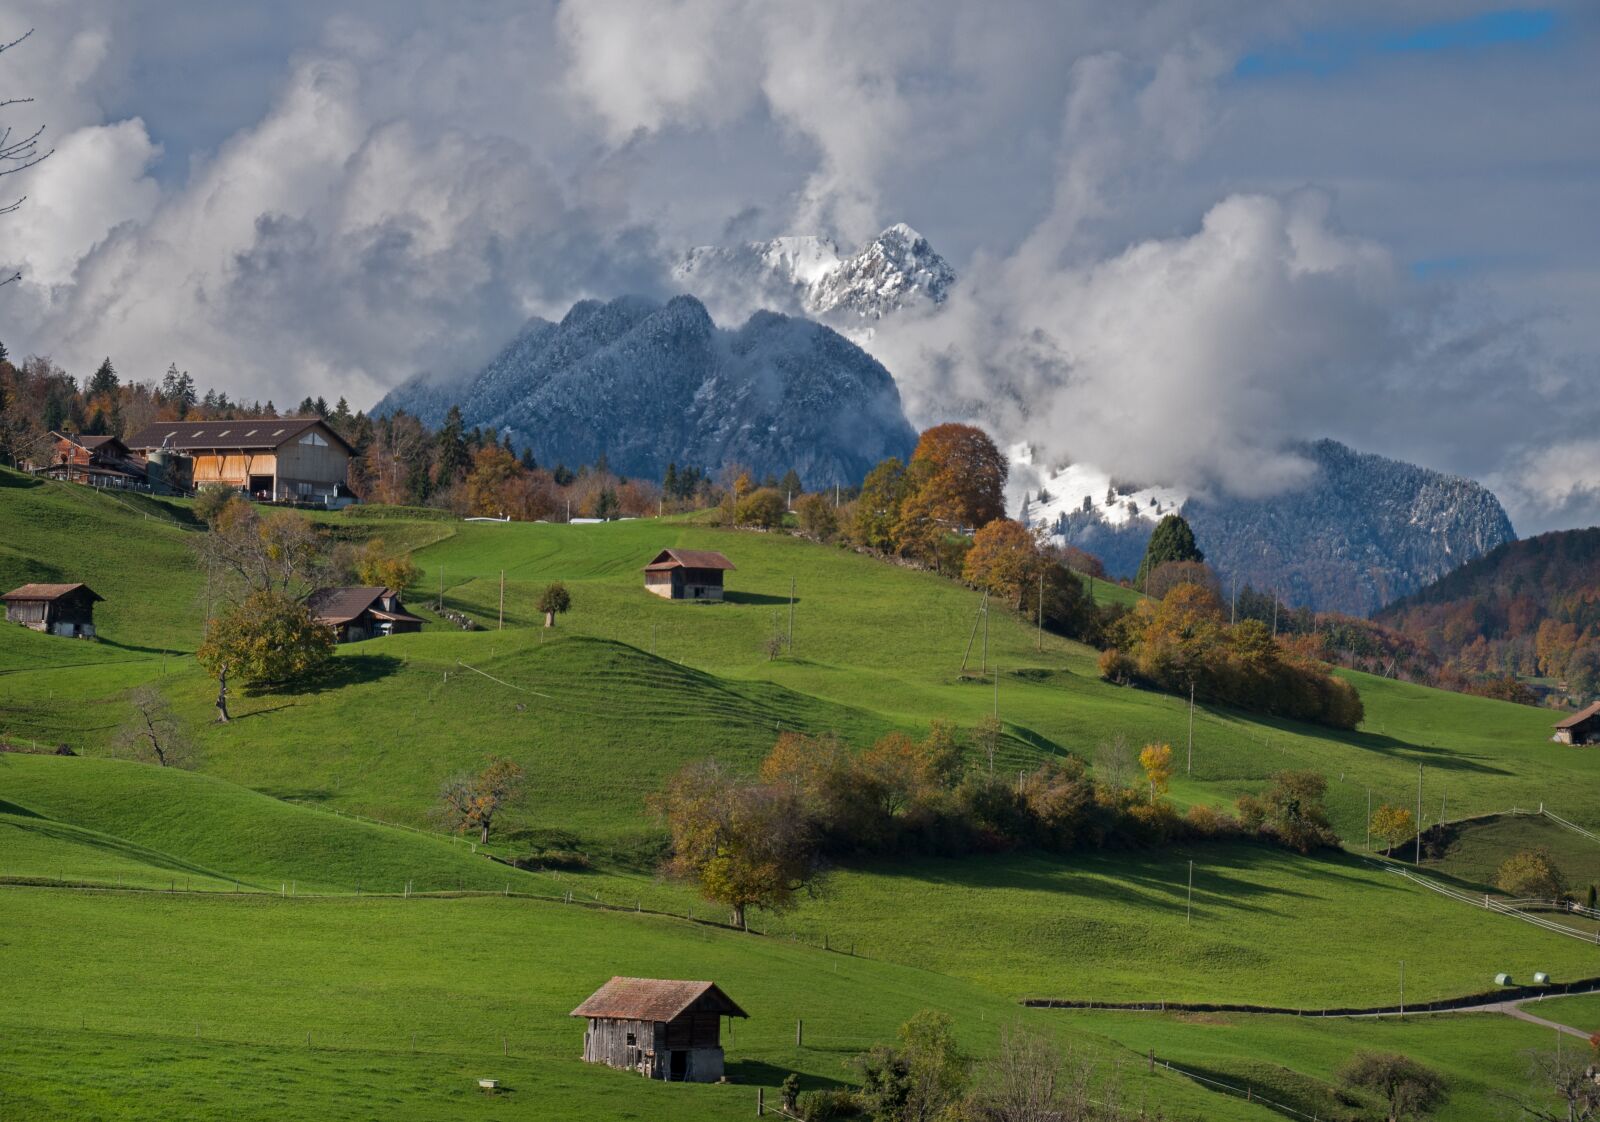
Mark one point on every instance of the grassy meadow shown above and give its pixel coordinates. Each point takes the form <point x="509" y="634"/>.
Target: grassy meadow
<point x="131" y="1003"/>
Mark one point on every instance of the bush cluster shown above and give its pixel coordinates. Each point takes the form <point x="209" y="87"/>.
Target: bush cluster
<point x="1183" y="642"/>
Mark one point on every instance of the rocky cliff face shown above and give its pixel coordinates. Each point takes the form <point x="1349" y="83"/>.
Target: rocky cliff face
<point x="1363" y="532"/>
<point x="647" y="384"/>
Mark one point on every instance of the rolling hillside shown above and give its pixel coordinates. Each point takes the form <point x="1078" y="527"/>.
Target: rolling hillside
<point x="626" y="689"/>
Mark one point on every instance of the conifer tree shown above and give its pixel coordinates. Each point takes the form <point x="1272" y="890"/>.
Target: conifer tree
<point x="1172" y="540"/>
<point x="104" y="380"/>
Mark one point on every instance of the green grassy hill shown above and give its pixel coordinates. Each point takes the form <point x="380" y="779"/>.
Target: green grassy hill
<point x="625" y="690"/>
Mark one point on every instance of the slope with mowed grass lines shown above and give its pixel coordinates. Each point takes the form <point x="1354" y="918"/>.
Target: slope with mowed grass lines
<point x="406" y="1003"/>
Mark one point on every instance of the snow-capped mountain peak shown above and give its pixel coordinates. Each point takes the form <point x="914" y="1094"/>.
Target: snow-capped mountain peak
<point x="810" y="275"/>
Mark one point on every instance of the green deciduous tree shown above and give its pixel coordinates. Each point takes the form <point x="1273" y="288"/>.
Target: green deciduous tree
<point x="268" y="639"/>
<point x="554" y="600"/>
<point x="744" y="844"/>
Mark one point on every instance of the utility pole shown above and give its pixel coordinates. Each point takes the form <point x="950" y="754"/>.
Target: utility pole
<point x="791" y="615"/>
<point x="502" y="626"/>
<point x="441" y="588"/>
<point x="1418" y="860"/>
<point x="1039" y="646"/>
<point x="997" y="691"/>
<point x="967" y="654"/>
<point x="1190" y="769"/>
<point x="1369" y="819"/>
<point x="983" y="666"/>
<point x="1188" y="914"/>
<point x="1233" y="611"/>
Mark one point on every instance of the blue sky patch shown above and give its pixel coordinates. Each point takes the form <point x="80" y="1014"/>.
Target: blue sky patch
<point x="1327" y="52"/>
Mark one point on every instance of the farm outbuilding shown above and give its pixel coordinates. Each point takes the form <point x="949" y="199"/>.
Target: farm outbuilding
<point x="1583" y="727"/>
<point x="687" y="574"/>
<point x="361" y="612"/>
<point x="60" y="609"/>
<point x="662" y="1029"/>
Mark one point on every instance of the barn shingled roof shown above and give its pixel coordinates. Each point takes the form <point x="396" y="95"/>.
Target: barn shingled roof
<point x="48" y="591"/>
<point x="653" y="999"/>
<point x="341" y="605"/>
<point x="1579" y="717"/>
<point x="251" y="432"/>
<point x="688" y="559"/>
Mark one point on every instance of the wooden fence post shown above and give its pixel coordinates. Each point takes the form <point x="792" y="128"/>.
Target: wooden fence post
<point x="799" y="1033"/>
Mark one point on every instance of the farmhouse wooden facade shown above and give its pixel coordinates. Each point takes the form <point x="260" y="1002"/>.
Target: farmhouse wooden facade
<point x="105" y="461"/>
<point x="274" y="459"/>
<point x="1583" y="727"/>
<point x="59" y="609"/>
<point x="662" y="1029"/>
<point x="686" y="574"/>
<point x="361" y="612"/>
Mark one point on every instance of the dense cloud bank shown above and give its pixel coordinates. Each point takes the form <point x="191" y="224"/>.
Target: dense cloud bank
<point x="1183" y="237"/>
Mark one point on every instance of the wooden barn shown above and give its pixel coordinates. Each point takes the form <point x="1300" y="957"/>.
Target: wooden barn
<point x="59" y="609"/>
<point x="274" y="459"/>
<point x="686" y="574"/>
<point x="1583" y="727"/>
<point x="361" y="612"/>
<point x="661" y="1029"/>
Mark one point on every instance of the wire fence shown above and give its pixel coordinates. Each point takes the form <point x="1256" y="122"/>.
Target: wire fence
<point x="1489" y="903"/>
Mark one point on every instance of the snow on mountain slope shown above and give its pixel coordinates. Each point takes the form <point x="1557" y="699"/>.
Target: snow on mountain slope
<point x="811" y="276"/>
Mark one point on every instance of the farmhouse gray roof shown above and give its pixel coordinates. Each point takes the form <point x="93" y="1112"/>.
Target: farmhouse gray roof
<point x="48" y="591"/>
<point x="653" y="999"/>
<point x="256" y="432"/>
<point x="688" y="559"/>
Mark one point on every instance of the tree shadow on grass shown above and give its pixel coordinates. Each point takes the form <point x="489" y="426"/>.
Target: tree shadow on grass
<point x="345" y="670"/>
<point x="134" y="647"/>
<point x="732" y="597"/>
<point x="760" y="1073"/>
<point x="1445" y="759"/>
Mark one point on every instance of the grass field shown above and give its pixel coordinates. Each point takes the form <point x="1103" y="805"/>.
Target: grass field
<point x="1477" y="849"/>
<point x="624" y="691"/>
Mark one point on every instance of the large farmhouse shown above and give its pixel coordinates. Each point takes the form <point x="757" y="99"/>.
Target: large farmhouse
<point x="686" y="574"/>
<point x="275" y="459"/>
<point x="60" y="609"/>
<point x="361" y="612"/>
<point x="1583" y="727"/>
<point x="659" y="1028"/>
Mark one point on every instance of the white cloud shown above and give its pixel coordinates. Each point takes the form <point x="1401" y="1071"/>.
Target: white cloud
<point x="1148" y="282"/>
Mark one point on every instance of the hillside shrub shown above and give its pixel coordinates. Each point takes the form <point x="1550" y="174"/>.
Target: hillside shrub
<point x="1182" y="643"/>
<point x="1532" y="872"/>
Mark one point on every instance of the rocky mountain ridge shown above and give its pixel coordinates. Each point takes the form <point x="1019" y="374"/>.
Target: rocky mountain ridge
<point x="1364" y="531"/>
<point x="646" y="384"/>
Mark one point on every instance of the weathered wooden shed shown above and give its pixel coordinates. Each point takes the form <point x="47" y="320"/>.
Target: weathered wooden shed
<point x="1583" y="727"/>
<point x="60" y="609"/>
<point x="686" y="574"/>
<point x="662" y="1029"/>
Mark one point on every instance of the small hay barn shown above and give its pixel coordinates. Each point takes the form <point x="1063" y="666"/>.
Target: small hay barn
<point x="60" y="609"/>
<point x="1583" y="727"/>
<point x="686" y="574"/>
<point x="662" y="1029"/>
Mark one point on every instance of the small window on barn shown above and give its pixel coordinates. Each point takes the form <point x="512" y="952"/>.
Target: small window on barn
<point x="631" y="1040"/>
<point x="314" y="438"/>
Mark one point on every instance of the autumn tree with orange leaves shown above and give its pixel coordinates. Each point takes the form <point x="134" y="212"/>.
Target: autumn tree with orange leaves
<point x="960" y="478"/>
